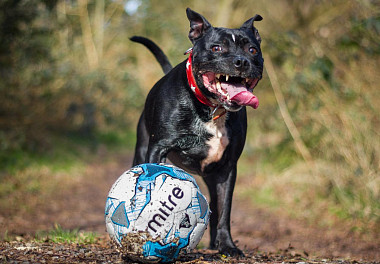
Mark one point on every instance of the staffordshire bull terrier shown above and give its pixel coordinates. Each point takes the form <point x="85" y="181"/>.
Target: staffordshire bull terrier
<point x="196" y="114"/>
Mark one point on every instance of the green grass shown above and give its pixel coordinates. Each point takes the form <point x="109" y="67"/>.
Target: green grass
<point x="313" y="195"/>
<point x="60" y="235"/>
<point x="263" y="197"/>
<point x="64" y="152"/>
<point x="28" y="178"/>
<point x="117" y="140"/>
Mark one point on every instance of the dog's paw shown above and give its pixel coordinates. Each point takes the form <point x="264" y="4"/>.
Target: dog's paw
<point x="230" y="251"/>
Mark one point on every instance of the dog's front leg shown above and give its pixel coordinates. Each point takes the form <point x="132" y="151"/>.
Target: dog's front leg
<point x="221" y="190"/>
<point x="156" y="153"/>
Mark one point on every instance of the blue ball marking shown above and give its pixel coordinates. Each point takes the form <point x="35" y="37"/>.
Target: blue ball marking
<point x="168" y="252"/>
<point x="203" y="205"/>
<point x="119" y="216"/>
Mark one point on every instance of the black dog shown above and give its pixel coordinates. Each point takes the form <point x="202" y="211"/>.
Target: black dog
<point x="195" y="115"/>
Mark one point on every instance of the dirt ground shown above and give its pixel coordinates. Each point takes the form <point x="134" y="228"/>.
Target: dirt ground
<point x="264" y="236"/>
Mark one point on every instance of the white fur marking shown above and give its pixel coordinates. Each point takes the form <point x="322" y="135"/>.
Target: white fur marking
<point x="218" y="143"/>
<point x="233" y="37"/>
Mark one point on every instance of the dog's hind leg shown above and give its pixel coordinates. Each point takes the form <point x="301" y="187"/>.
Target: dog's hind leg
<point x="142" y="142"/>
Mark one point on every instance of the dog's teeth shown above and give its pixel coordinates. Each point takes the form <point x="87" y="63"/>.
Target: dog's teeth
<point x="218" y="86"/>
<point x="217" y="75"/>
<point x="227" y="77"/>
<point x="246" y="80"/>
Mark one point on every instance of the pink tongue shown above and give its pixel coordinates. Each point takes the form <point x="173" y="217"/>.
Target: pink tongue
<point x="240" y="95"/>
<point x="246" y="98"/>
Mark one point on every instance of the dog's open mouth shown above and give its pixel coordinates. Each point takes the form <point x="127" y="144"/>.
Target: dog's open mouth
<point x="231" y="89"/>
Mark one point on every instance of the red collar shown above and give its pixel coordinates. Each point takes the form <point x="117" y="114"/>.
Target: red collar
<point x="194" y="87"/>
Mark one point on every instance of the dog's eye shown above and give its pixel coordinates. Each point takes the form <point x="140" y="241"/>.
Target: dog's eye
<point x="252" y="50"/>
<point x="216" y="48"/>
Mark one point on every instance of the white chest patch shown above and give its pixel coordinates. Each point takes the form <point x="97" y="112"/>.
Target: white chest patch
<point x="217" y="143"/>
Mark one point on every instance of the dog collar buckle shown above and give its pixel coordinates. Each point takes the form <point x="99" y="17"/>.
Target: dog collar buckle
<point x="217" y="116"/>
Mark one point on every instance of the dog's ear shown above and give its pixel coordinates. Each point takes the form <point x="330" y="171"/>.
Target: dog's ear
<point x="198" y="24"/>
<point x="249" y="25"/>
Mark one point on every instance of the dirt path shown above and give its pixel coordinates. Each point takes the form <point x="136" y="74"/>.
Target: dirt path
<point x="257" y="231"/>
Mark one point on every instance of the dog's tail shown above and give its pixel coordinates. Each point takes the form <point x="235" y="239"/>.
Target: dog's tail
<point x="157" y="52"/>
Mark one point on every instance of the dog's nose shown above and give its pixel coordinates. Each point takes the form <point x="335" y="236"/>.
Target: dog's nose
<point x="241" y="63"/>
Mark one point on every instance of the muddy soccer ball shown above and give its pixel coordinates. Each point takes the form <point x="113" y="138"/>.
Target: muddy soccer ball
<point x="155" y="211"/>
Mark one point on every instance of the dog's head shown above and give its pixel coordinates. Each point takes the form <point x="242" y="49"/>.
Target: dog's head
<point x="227" y="63"/>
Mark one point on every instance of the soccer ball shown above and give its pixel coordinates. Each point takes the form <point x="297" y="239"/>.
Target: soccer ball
<point x="155" y="211"/>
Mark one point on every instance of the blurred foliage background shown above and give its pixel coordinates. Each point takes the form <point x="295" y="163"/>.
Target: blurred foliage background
<point x="71" y="79"/>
